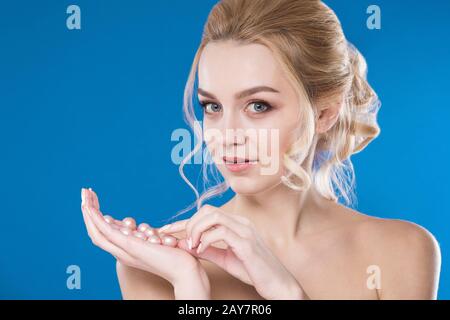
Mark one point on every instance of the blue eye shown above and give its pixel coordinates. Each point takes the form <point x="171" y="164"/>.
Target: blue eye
<point x="214" y="109"/>
<point x="260" y="106"/>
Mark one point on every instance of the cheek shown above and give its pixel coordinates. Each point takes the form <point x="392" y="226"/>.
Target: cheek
<point x="288" y="133"/>
<point x="286" y="140"/>
<point x="273" y="147"/>
<point x="274" y="142"/>
<point x="284" y="129"/>
<point x="212" y="139"/>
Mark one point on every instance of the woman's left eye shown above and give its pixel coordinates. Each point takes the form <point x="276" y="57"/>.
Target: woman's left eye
<point x="259" y="106"/>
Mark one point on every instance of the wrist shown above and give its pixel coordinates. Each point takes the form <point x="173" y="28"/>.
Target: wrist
<point x="295" y="292"/>
<point x="193" y="285"/>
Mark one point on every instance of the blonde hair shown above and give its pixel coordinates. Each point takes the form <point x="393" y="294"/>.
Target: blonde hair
<point x="307" y="39"/>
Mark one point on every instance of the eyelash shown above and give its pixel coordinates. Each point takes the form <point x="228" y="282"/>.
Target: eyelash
<point x="203" y="104"/>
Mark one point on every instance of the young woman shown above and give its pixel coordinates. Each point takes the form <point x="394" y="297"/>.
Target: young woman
<point x="283" y="68"/>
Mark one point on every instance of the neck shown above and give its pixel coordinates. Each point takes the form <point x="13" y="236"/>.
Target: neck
<point x="281" y="214"/>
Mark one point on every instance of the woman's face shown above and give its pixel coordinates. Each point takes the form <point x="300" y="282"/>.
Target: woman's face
<point x="257" y="125"/>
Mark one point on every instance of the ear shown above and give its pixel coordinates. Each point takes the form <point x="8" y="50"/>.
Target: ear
<point x="328" y="113"/>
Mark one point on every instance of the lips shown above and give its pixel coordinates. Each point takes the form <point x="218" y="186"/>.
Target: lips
<point x="236" y="160"/>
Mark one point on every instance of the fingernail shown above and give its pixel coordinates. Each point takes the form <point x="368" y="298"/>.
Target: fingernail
<point x="90" y="189"/>
<point x="199" y="248"/>
<point x="164" y="228"/>
<point x="189" y="242"/>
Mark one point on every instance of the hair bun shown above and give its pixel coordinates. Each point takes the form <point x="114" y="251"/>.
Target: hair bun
<point x="363" y="102"/>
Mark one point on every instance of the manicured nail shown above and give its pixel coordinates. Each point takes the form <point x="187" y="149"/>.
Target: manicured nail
<point x="199" y="248"/>
<point x="90" y="189"/>
<point x="189" y="242"/>
<point x="164" y="228"/>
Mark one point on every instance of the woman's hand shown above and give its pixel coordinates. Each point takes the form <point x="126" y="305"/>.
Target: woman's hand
<point x="177" y="266"/>
<point x="246" y="258"/>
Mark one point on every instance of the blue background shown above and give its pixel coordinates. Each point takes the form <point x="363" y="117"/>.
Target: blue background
<point x="96" y="108"/>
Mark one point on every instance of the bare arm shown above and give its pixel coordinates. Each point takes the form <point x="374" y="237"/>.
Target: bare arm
<point x="410" y="261"/>
<point x="136" y="284"/>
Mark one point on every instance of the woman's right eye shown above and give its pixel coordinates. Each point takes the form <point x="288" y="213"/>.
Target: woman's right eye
<point x="210" y="107"/>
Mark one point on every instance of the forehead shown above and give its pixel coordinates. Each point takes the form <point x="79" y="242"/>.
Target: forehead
<point x="227" y="65"/>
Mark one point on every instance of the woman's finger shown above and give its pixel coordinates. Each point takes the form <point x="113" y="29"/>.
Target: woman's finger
<point x="223" y="258"/>
<point x="182" y="224"/>
<point x="216" y="218"/>
<point x="257" y="261"/>
<point x="176" y="226"/>
<point x="132" y="245"/>
<point x="221" y="233"/>
<point x="229" y="259"/>
<point x="94" y="199"/>
<point x="97" y="236"/>
<point x="99" y="240"/>
<point x="204" y="210"/>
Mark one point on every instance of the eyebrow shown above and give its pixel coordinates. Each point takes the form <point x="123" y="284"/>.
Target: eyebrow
<point x="242" y="94"/>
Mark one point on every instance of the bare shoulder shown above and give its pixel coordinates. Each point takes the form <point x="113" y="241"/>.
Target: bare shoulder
<point x="387" y="234"/>
<point x="407" y="254"/>
<point x="392" y="235"/>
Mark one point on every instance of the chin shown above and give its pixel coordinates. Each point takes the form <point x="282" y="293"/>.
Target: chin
<point x="249" y="185"/>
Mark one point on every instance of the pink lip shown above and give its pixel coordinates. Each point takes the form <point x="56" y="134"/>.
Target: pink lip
<point x="238" y="167"/>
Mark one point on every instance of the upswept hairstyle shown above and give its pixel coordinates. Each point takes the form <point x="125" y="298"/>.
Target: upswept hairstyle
<point x="307" y="40"/>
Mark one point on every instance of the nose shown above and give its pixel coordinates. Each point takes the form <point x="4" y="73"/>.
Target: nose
<point x="234" y="132"/>
<point x="234" y="137"/>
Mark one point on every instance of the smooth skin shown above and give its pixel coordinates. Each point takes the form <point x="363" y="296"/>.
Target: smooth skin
<point x="268" y="241"/>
